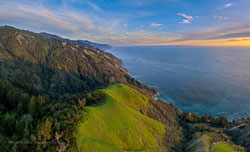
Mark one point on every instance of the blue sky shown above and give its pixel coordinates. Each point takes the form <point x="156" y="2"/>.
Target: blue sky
<point x="134" y="22"/>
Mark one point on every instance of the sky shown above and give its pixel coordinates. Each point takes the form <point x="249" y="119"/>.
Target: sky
<point x="135" y="22"/>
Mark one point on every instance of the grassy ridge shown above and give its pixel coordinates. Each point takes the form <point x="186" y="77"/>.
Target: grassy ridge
<point x="118" y="126"/>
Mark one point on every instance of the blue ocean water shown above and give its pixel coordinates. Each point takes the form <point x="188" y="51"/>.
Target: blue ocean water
<point x="212" y="80"/>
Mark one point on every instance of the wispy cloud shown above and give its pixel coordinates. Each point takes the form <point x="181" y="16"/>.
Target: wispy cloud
<point x="73" y="24"/>
<point x="93" y="22"/>
<point x="233" y="31"/>
<point x="234" y="40"/>
<point x="228" y="5"/>
<point x="239" y="34"/>
<point x="136" y="3"/>
<point x="186" y="16"/>
<point x="142" y="38"/>
<point x="219" y="17"/>
<point x="70" y="22"/>
<point x="155" y="24"/>
<point x="187" y="20"/>
<point x="94" y="7"/>
<point x="125" y="25"/>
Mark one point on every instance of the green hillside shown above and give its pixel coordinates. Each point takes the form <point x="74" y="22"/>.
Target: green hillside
<point x="117" y="125"/>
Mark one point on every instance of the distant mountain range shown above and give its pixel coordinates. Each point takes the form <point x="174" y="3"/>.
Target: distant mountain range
<point x="77" y="42"/>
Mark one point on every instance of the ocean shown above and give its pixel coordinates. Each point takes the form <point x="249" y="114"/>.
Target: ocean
<point x="202" y="80"/>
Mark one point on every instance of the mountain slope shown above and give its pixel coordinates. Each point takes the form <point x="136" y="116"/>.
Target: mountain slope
<point x="77" y="42"/>
<point x="52" y="66"/>
<point x="117" y="125"/>
<point x="130" y="121"/>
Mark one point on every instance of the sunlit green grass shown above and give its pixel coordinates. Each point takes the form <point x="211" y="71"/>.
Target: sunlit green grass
<point x="118" y="126"/>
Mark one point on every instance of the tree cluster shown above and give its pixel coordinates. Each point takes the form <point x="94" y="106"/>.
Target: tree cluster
<point x="193" y="118"/>
<point x="30" y="122"/>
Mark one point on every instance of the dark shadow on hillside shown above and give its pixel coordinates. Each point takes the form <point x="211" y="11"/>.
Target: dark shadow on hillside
<point x="50" y="66"/>
<point x="42" y="79"/>
<point x="165" y="113"/>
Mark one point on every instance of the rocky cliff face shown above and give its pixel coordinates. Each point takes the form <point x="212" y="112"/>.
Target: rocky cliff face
<point x="241" y="132"/>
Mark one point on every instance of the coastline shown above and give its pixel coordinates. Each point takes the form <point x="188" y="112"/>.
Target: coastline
<point x="157" y="95"/>
<point x="130" y="64"/>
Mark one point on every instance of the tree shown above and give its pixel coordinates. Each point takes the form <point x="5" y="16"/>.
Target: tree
<point x="13" y="97"/>
<point x="204" y="118"/>
<point x="9" y="123"/>
<point x="82" y="102"/>
<point x="24" y="100"/>
<point x="40" y="105"/>
<point x="223" y="122"/>
<point x="20" y="126"/>
<point x="32" y="106"/>
<point x="5" y="87"/>
<point x="44" y="134"/>
<point x="62" y="146"/>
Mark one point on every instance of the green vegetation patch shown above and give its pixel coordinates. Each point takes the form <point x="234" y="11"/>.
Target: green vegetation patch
<point x="117" y="125"/>
<point x="224" y="147"/>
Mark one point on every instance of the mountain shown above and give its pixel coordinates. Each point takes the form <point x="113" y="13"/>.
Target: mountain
<point x="77" y="42"/>
<point x="120" y="126"/>
<point x="56" y="95"/>
<point x="47" y="65"/>
<point x="97" y="45"/>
